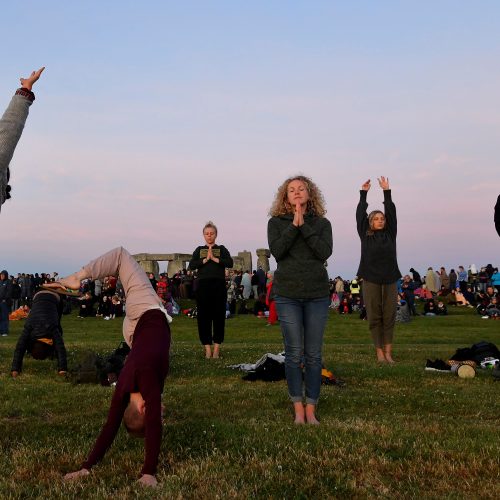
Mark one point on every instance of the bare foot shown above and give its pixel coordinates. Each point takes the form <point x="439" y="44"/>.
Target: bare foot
<point x="300" y="416"/>
<point x="311" y="414"/>
<point x="208" y="352"/>
<point x="388" y="354"/>
<point x="14" y="374"/>
<point x="148" y="480"/>
<point x="76" y="475"/>
<point x="216" y="353"/>
<point x="72" y="282"/>
<point x="380" y="355"/>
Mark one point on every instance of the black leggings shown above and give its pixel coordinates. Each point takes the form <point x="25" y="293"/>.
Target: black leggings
<point x="211" y="298"/>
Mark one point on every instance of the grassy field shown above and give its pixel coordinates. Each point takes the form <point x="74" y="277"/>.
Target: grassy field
<point x="392" y="431"/>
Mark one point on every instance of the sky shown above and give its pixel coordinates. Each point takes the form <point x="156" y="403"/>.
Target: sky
<point x="154" y="117"/>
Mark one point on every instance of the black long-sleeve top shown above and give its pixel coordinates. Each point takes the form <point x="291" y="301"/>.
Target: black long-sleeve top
<point x="211" y="270"/>
<point x="43" y="322"/>
<point x="378" y="262"/>
<point x="497" y="215"/>
<point x="301" y="253"/>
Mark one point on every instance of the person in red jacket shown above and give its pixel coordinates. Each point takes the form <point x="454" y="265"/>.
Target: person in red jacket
<point x="271" y="304"/>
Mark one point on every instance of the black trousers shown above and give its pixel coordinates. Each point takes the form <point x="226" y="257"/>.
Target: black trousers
<point x="211" y="298"/>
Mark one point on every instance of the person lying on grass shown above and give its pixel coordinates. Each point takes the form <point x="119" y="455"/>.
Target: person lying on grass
<point x="137" y="397"/>
<point x="42" y="335"/>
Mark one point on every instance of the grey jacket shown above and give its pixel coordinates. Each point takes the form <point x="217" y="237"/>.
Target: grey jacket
<point x="301" y="253"/>
<point x="11" y="128"/>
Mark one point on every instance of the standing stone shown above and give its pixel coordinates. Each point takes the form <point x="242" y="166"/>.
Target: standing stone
<point x="238" y="264"/>
<point x="150" y="266"/>
<point x="178" y="263"/>
<point x="246" y="256"/>
<point x="263" y="255"/>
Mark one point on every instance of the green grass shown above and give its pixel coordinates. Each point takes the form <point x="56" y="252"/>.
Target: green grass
<point x="392" y="431"/>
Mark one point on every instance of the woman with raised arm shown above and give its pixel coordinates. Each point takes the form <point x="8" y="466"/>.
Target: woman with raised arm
<point x="211" y="261"/>
<point x="300" y="239"/>
<point x="11" y="128"/>
<point x="379" y="268"/>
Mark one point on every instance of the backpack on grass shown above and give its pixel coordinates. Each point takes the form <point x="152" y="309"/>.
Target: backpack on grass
<point x="92" y="368"/>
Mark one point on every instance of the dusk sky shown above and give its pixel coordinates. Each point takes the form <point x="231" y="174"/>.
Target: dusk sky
<point x="154" y="117"/>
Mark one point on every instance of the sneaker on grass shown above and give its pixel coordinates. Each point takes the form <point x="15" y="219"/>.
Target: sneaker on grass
<point x="437" y="366"/>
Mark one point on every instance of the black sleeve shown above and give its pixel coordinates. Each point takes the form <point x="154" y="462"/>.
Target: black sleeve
<point x="105" y="439"/>
<point x="20" y="350"/>
<point x="225" y="258"/>
<point x="391" y="223"/>
<point x="196" y="262"/>
<point x="497" y="215"/>
<point x="62" y="364"/>
<point x="361" y="214"/>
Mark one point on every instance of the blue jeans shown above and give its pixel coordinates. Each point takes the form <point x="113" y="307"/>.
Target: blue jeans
<point x="302" y="325"/>
<point x="4" y="318"/>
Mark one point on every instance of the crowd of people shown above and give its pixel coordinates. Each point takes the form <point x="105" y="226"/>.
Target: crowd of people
<point x="435" y="291"/>
<point x="300" y="293"/>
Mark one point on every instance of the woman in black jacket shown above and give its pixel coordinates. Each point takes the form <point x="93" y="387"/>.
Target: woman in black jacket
<point x="211" y="296"/>
<point x="379" y="268"/>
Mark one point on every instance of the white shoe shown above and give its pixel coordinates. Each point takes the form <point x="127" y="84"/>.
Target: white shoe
<point x="485" y="317"/>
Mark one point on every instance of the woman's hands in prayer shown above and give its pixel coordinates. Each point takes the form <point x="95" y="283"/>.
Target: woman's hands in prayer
<point x="298" y="216"/>
<point x="210" y="256"/>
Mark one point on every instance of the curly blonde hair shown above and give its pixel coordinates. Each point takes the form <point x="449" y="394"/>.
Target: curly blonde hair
<point x="315" y="204"/>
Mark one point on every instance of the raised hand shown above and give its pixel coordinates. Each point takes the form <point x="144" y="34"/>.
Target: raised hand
<point x="384" y="183"/>
<point x="27" y="83"/>
<point x="366" y="186"/>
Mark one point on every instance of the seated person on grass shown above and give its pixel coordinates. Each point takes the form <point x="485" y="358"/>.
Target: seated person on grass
<point x="483" y="300"/>
<point x="492" y="309"/>
<point x="430" y="308"/>
<point x="137" y="397"/>
<point x="470" y="296"/>
<point x="42" y="333"/>
<point x="460" y="300"/>
<point x="441" y="309"/>
<point x="345" y="306"/>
